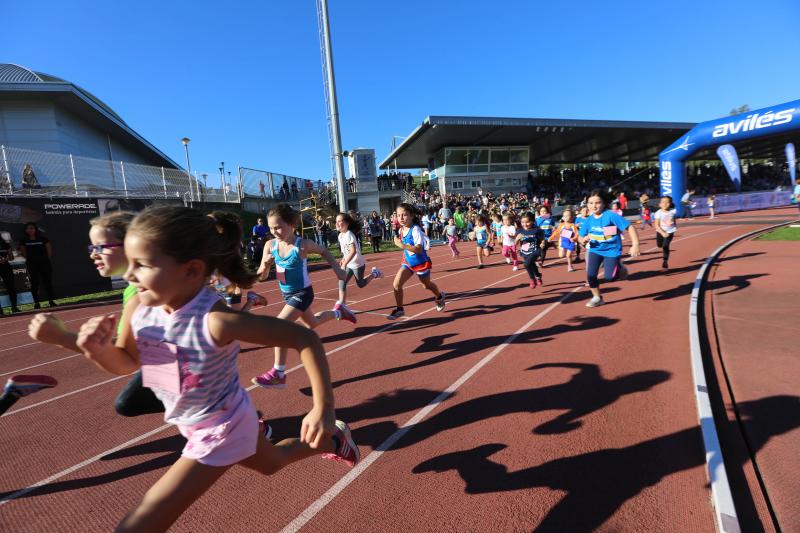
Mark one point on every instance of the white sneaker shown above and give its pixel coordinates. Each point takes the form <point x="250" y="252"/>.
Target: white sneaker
<point x="508" y="260"/>
<point x="376" y="273"/>
<point x="440" y="302"/>
<point x="515" y="269"/>
<point x="595" y="302"/>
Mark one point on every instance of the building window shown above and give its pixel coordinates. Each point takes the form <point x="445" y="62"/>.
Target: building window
<point x="458" y="185"/>
<point x="516" y="182"/>
<point x="475" y="184"/>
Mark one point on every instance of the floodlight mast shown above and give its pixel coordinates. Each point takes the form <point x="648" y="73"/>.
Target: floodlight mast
<point x="334" y="135"/>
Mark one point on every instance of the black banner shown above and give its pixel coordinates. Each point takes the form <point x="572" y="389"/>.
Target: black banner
<point x="65" y="221"/>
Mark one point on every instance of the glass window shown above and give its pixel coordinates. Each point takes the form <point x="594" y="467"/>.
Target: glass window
<point x="475" y="184"/>
<point x="498" y="182"/>
<point x="456" y="156"/>
<point x="478" y="169"/>
<point x="499" y="168"/>
<point x="518" y="167"/>
<point x="458" y="184"/>
<point x="478" y="157"/>
<point x="518" y="155"/>
<point x="516" y="181"/>
<point x="456" y="169"/>
<point x="500" y="156"/>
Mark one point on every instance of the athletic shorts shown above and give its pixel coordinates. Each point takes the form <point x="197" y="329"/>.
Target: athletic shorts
<point x="421" y="270"/>
<point x="300" y="300"/>
<point x="481" y="244"/>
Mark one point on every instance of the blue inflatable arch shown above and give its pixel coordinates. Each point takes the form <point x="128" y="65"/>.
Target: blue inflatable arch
<point x="751" y="125"/>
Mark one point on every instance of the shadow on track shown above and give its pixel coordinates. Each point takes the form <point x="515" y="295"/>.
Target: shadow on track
<point x="598" y="483"/>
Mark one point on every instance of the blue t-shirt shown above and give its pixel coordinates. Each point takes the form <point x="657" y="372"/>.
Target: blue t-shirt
<point x="579" y="220"/>
<point x="545" y="223"/>
<point x="260" y="231"/>
<point x="604" y="233"/>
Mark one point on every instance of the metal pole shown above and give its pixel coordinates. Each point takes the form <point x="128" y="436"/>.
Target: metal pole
<point x="164" y="182"/>
<point x="124" y="181"/>
<point x="189" y="173"/>
<point x="271" y="185"/>
<point x="7" y="170"/>
<point x="333" y="109"/>
<point x="241" y="184"/>
<point x="74" y="179"/>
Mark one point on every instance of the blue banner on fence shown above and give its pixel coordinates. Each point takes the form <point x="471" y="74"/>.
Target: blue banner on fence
<point x="790" y="159"/>
<point x="727" y="153"/>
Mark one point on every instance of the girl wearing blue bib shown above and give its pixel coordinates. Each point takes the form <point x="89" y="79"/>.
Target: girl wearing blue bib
<point x="290" y="252"/>
<point x="601" y="234"/>
<point x="482" y="237"/>
<point x="415" y="259"/>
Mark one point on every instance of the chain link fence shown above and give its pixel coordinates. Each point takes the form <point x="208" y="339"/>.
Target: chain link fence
<point x="264" y="184"/>
<point x="26" y="172"/>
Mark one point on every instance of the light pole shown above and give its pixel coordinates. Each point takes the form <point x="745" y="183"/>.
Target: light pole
<point x="185" y="142"/>
<point x="333" y="106"/>
<point x="222" y="176"/>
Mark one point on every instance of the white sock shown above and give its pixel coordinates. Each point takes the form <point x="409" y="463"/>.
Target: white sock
<point x="281" y="370"/>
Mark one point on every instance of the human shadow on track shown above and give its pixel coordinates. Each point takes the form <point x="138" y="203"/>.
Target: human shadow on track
<point x="730" y="257"/>
<point x="734" y="283"/>
<point x="598" y="483"/>
<point x="468" y="346"/>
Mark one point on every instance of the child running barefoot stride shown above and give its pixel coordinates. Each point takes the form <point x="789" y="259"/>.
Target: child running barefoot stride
<point x="665" y="227"/>
<point x="107" y="235"/>
<point x="415" y="260"/>
<point x="352" y="261"/>
<point x="566" y="234"/>
<point x="508" y="231"/>
<point x="601" y="233"/>
<point x="289" y="252"/>
<point x="527" y="241"/>
<point x="482" y="237"/>
<point x="186" y="342"/>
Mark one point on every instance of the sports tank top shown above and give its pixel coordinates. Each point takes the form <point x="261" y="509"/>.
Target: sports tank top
<point x="292" y="270"/>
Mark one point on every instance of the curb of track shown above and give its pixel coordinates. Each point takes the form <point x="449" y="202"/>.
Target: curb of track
<point x="722" y="497"/>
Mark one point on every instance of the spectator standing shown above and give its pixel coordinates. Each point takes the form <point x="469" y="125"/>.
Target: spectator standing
<point x="38" y="252"/>
<point x="29" y="180"/>
<point x="375" y="231"/>
<point x="294" y="190"/>
<point x="260" y="230"/>
<point x="623" y="201"/>
<point x="261" y="189"/>
<point x="686" y="202"/>
<point x="7" y="274"/>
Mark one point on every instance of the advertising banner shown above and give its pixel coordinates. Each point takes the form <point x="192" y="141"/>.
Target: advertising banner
<point x="730" y="160"/>
<point x="729" y="203"/>
<point x="792" y="162"/>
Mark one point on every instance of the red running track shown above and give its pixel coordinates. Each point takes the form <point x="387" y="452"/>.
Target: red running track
<point x="561" y="418"/>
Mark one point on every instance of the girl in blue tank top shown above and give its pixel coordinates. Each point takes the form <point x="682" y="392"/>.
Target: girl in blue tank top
<point x="290" y="252"/>
<point x="414" y="244"/>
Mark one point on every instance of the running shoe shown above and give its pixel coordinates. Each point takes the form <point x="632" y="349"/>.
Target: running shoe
<point x="23" y="385"/>
<point x="508" y="260"/>
<point x="515" y="268"/>
<point x="570" y="269"/>
<point x="532" y="283"/>
<point x="664" y="265"/>
<point x="595" y="302"/>
<point x="480" y="266"/>
<point x="266" y="429"/>
<point x="397" y="313"/>
<point x="376" y="273"/>
<point x="270" y="380"/>
<point x="539" y="279"/>
<point x="256" y="298"/>
<point x="622" y="274"/>
<point x="440" y="302"/>
<point x="347" y="450"/>
<point x="346" y="314"/>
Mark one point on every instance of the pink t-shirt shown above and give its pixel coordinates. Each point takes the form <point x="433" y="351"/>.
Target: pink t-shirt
<point x="666" y="220"/>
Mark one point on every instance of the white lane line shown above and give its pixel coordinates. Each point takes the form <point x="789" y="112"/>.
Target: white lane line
<point x="359" y="469"/>
<point x="40" y="364"/>
<point x="37" y="404"/>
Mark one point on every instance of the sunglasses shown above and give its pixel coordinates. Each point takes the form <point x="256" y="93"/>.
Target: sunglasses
<point x="99" y="248"/>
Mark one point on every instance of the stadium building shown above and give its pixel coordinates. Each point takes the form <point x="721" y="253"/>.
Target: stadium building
<point x="464" y="154"/>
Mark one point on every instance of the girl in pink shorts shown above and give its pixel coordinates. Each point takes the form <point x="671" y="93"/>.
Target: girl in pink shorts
<point x="185" y="340"/>
<point x="509" y="233"/>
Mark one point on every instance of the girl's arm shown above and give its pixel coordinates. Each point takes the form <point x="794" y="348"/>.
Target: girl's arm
<point x="226" y="326"/>
<point x="95" y="341"/>
<point x="634" y="251"/>
<point x="266" y="261"/>
<point x="311" y="246"/>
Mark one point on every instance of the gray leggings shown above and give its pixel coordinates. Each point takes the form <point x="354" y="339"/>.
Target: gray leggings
<point x="358" y="273"/>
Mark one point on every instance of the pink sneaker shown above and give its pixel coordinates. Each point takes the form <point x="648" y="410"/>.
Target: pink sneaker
<point x="347" y="450"/>
<point x="270" y="380"/>
<point x="345" y="313"/>
<point x="532" y="283"/>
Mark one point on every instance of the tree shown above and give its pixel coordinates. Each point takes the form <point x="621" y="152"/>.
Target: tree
<point x="738" y="110"/>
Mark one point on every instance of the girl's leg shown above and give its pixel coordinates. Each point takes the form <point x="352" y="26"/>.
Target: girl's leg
<point x="343" y="285"/>
<point x="430" y="285"/>
<point x="269" y="459"/>
<point x="612" y="267"/>
<point x="513" y="254"/>
<point x="543" y="253"/>
<point x="291" y="314"/>
<point x="592" y="268"/>
<point x="178" y="488"/>
<point x="665" y="247"/>
<point x="530" y="266"/>
<point x="479" y="253"/>
<point x="403" y="275"/>
<point x="362" y="281"/>
<point x="569" y="259"/>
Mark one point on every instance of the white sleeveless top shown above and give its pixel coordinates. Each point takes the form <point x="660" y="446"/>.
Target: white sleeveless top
<point x="209" y="377"/>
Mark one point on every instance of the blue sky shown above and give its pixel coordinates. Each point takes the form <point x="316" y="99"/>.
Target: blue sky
<point x="243" y="79"/>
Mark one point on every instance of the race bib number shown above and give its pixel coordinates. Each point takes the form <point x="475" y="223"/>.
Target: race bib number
<point x="566" y="233"/>
<point x="526" y="247"/>
<point x="609" y="231"/>
<point x="280" y="274"/>
<point x="159" y="365"/>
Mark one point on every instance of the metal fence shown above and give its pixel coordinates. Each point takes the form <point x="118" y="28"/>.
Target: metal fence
<point x="264" y="184"/>
<point x="26" y="172"/>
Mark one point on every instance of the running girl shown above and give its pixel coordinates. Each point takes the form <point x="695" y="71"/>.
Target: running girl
<point x="497" y="230"/>
<point x="601" y="233"/>
<point x="290" y="252"/>
<point x="583" y="213"/>
<point x="711" y="202"/>
<point x="566" y="234"/>
<point x="647" y="215"/>
<point x="665" y="227"/>
<point x="508" y="233"/>
<point x="415" y="259"/>
<point x="528" y="240"/>
<point x="451" y="232"/>
<point x="186" y="342"/>
<point x="545" y="223"/>
<point x="482" y="236"/>
<point x="352" y="262"/>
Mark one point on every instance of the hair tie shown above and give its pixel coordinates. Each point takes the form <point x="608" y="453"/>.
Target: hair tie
<point x="217" y="225"/>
